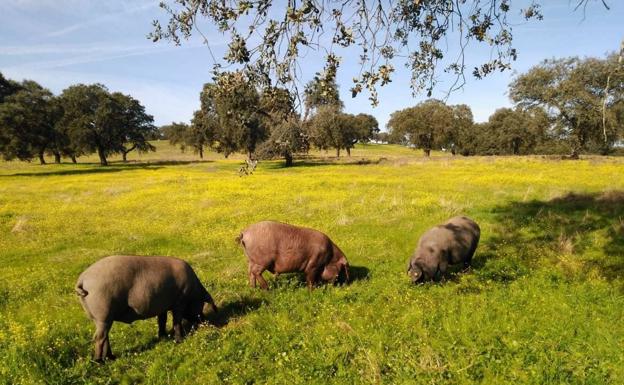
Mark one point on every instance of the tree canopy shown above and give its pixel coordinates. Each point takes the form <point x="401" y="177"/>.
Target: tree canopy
<point x="7" y="87"/>
<point x="230" y="118"/>
<point x="577" y="96"/>
<point x="97" y="121"/>
<point x="428" y="125"/>
<point x="29" y="114"/>
<point x="331" y="128"/>
<point x="269" y="39"/>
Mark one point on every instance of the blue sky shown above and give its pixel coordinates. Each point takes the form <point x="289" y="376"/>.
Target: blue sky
<point x="63" y="42"/>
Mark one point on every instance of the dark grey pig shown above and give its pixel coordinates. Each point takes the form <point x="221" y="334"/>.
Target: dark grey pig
<point x="127" y="288"/>
<point x="448" y="244"/>
<point x="283" y="248"/>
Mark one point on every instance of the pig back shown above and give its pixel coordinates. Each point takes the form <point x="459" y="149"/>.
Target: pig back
<point x="463" y="234"/>
<point x="281" y="248"/>
<point x="127" y="288"/>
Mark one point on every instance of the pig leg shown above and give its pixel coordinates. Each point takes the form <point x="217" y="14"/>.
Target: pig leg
<point x="468" y="260"/>
<point x="162" y="325"/>
<point x="256" y="271"/>
<point x="102" y="344"/>
<point x="252" y="277"/>
<point x="177" y="324"/>
<point x="441" y="273"/>
<point x="312" y="274"/>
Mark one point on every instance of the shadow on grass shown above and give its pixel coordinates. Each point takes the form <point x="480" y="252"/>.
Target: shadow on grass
<point x="315" y="162"/>
<point x="147" y="346"/>
<point x="585" y="231"/>
<point x="297" y="279"/>
<point x="235" y="309"/>
<point x="227" y="312"/>
<point x="95" y="168"/>
<point x="358" y="273"/>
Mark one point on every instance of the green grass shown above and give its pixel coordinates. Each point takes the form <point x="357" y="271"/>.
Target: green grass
<point x="544" y="303"/>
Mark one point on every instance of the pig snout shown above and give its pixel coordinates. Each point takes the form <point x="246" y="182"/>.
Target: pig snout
<point x="415" y="273"/>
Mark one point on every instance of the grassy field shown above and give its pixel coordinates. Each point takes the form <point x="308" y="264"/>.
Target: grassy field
<point x="544" y="303"/>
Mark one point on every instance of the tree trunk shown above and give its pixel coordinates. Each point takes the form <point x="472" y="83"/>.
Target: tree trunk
<point x="348" y="151"/>
<point x="289" y="159"/>
<point x="201" y="152"/>
<point x="41" y="158"/>
<point x="427" y="152"/>
<point x="102" y="156"/>
<point x="604" y="112"/>
<point x="453" y="152"/>
<point x="57" y="157"/>
<point x="338" y="152"/>
<point x="124" y="153"/>
<point x="73" y="158"/>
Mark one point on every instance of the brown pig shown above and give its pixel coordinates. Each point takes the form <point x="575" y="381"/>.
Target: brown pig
<point x="127" y="288"/>
<point x="450" y="243"/>
<point x="283" y="248"/>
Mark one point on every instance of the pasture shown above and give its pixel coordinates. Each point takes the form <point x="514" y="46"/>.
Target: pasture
<point x="543" y="304"/>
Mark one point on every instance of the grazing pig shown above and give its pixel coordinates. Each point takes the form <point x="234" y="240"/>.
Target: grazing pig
<point x="450" y="243"/>
<point x="283" y="248"/>
<point x="128" y="288"/>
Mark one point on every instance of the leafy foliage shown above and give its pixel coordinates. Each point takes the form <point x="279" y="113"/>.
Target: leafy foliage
<point x="7" y="87"/>
<point x="28" y="120"/>
<point x="332" y="128"/>
<point x="269" y="39"/>
<point x="230" y="117"/>
<point x="287" y="135"/>
<point x="137" y="125"/>
<point x="573" y="92"/>
<point x="319" y="93"/>
<point x="430" y="124"/>
<point x="98" y="121"/>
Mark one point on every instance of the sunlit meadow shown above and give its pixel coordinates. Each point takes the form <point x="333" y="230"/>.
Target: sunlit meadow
<point x="543" y="304"/>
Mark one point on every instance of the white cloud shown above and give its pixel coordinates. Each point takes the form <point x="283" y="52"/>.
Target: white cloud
<point x="43" y="49"/>
<point x="73" y="54"/>
<point x="101" y="19"/>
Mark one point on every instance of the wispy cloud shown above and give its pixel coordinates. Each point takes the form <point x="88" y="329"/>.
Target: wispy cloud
<point x="64" y="49"/>
<point x="101" y="19"/>
<point x="84" y="54"/>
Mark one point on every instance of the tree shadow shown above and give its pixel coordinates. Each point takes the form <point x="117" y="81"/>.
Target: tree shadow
<point x="577" y="233"/>
<point x="316" y="162"/>
<point x="234" y="309"/>
<point x="95" y="168"/>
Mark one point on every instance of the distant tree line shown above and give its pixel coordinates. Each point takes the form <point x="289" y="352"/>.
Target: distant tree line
<point x="235" y="116"/>
<point x="562" y="106"/>
<point x="567" y="105"/>
<point x="82" y="120"/>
